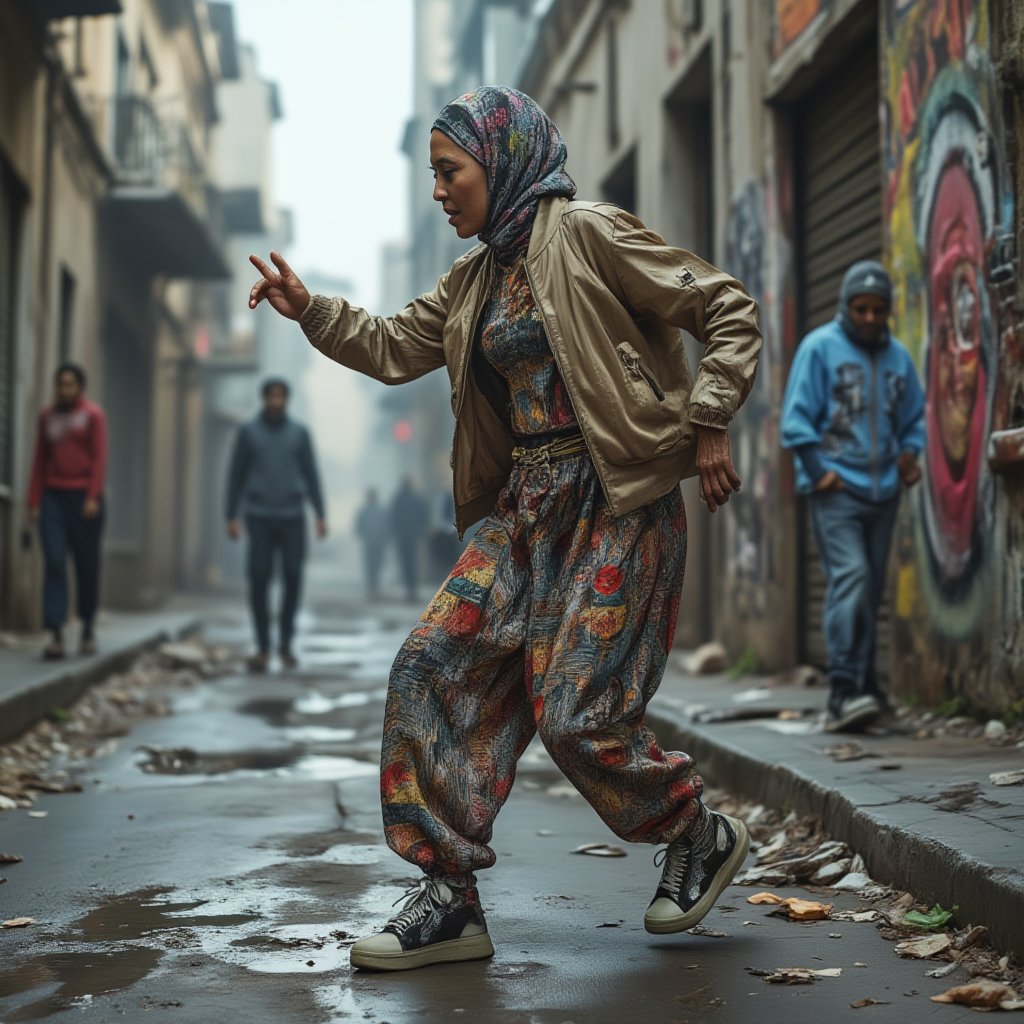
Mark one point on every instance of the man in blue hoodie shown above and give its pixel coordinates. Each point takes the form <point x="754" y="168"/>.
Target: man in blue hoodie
<point x="272" y="474"/>
<point x="853" y="416"/>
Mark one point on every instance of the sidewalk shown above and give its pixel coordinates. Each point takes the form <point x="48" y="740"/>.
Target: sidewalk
<point x="921" y="811"/>
<point x="31" y="687"/>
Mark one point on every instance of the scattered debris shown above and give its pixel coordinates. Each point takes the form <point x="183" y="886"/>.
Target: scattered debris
<point x="929" y="921"/>
<point x="856" y="915"/>
<point x="995" y="730"/>
<point x="38" y="814"/>
<point x="600" y="850"/>
<point x="708" y="659"/>
<point x="982" y="993"/>
<point x="11" y="858"/>
<point x="853" y="882"/>
<point x="795" y="975"/>
<point x="797" y="909"/>
<point x="851" y="751"/>
<point x="971" y="937"/>
<point x="711" y="933"/>
<point x="18" y="922"/>
<point x="861" y="1003"/>
<point x="944" y="970"/>
<point x="926" y="947"/>
<point x="1007" y="778"/>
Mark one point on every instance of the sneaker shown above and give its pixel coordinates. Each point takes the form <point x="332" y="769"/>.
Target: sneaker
<point x="440" y="923"/>
<point x="697" y="867"/>
<point x="258" y="663"/>
<point x="288" y="661"/>
<point x="850" y="712"/>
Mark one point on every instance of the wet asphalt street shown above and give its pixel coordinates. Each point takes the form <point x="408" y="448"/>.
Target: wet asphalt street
<point x="228" y="886"/>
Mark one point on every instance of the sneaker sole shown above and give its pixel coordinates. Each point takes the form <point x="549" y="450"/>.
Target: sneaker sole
<point x="857" y="720"/>
<point x="725" y="874"/>
<point x="469" y="947"/>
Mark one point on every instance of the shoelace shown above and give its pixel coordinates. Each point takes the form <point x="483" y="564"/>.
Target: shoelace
<point x="421" y="898"/>
<point x="676" y="858"/>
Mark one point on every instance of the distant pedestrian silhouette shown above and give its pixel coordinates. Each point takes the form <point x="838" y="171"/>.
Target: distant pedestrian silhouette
<point x="408" y="527"/>
<point x="373" y="528"/>
<point x="273" y="472"/>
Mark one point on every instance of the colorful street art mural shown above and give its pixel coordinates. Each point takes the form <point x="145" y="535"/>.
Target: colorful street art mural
<point x="948" y="213"/>
<point x="793" y="18"/>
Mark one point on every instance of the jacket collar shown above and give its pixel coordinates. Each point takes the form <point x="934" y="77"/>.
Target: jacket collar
<point x="549" y="216"/>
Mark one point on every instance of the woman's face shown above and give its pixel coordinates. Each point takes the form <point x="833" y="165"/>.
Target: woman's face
<point x="460" y="185"/>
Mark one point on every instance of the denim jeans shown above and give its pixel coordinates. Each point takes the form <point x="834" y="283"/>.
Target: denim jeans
<point x="854" y="535"/>
<point x="268" y="536"/>
<point x="63" y="531"/>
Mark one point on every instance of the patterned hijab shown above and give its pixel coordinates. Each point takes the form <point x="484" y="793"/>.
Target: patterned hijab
<point x="522" y="152"/>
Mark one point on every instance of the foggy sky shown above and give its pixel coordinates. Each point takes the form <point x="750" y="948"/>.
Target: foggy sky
<point x="344" y="68"/>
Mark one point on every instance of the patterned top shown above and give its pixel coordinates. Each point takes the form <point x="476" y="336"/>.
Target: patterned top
<point x="514" y="342"/>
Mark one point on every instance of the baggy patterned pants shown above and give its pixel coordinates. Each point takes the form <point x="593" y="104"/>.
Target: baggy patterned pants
<point x="557" y="619"/>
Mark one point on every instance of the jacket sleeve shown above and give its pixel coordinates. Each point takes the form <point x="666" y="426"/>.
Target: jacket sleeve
<point x="911" y="424"/>
<point x="311" y="475"/>
<point x="677" y="287"/>
<point x="238" y="469"/>
<point x="98" y="471"/>
<point x="805" y="404"/>
<point x="35" y="483"/>
<point x="392" y="349"/>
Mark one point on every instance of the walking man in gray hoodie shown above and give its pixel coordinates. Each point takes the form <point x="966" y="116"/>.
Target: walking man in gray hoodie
<point x="272" y="474"/>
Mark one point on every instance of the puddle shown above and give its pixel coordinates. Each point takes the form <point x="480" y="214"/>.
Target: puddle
<point x="354" y="853"/>
<point x="78" y="978"/>
<point x="317" y="704"/>
<point x="324" y="768"/>
<point x="186" y="761"/>
<point x="138" y="914"/>
<point x="292" y="949"/>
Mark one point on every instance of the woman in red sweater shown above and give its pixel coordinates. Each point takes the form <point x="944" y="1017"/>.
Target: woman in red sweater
<point x="66" y="498"/>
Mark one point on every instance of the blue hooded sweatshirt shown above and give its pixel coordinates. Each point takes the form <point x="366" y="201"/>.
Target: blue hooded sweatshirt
<point x="852" y="407"/>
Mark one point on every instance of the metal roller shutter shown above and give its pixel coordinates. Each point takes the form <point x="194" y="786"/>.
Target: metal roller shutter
<point x="838" y="185"/>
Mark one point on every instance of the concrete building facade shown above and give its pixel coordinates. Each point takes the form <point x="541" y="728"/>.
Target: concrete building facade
<point x="783" y="141"/>
<point x="112" y="235"/>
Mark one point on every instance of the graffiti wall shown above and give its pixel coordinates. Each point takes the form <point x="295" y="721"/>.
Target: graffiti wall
<point x="948" y="214"/>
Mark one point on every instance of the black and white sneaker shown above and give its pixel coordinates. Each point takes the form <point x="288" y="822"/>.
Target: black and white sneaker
<point x="849" y="711"/>
<point x="440" y="923"/>
<point x="697" y="867"/>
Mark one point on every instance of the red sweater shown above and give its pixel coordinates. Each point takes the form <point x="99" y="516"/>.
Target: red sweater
<point x="71" y="451"/>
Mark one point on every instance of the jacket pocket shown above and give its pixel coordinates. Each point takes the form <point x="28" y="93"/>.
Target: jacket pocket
<point x="637" y="369"/>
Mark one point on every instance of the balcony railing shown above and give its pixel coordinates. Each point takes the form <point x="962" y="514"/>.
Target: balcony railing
<point x="160" y="188"/>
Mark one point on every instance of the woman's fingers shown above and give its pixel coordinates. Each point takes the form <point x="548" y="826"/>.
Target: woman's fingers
<point x="282" y="264"/>
<point x="259" y="292"/>
<point x="269" y="273"/>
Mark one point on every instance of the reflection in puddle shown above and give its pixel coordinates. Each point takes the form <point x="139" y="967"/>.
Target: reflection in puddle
<point x="284" y="762"/>
<point x="138" y="914"/>
<point x="354" y="853"/>
<point x="294" y="949"/>
<point x="314" y="703"/>
<point x="78" y="977"/>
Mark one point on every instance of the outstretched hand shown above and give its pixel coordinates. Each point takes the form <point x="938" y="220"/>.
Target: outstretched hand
<point x="281" y="287"/>
<point x="718" y="476"/>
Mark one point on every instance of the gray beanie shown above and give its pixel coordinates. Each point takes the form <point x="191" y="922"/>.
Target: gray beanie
<point x="865" y="277"/>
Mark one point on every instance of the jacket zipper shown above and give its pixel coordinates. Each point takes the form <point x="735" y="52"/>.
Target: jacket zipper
<point x="635" y="366"/>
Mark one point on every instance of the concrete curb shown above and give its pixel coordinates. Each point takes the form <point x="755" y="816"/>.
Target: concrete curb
<point x="895" y="855"/>
<point x="25" y="707"/>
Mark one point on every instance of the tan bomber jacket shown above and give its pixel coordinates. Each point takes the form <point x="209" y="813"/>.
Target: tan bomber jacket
<point x="613" y="296"/>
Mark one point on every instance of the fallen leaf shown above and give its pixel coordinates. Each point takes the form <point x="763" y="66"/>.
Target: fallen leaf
<point x="610" y="924"/>
<point x="699" y="929"/>
<point x="19" y="922"/>
<point x="38" y="814"/>
<point x="764" y="897"/>
<point x="971" y="937"/>
<point x="924" y="948"/>
<point x="600" y="850"/>
<point x="10" y="858"/>
<point x="796" y="975"/>
<point x="867" y="1002"/>
<point x="1006" y="778"/>
<point x="982" y="992"/>
<point x="806" y="910"/>
<point x="835" y="935"/>
<point x="853" y="882"/>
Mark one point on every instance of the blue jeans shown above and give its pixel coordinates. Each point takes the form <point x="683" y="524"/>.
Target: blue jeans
<point x="854" y="535"/>
<point x="63" y="530"/>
